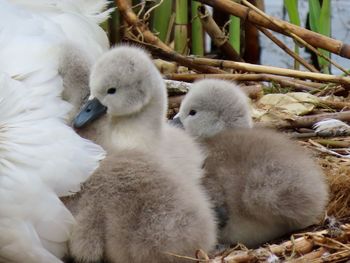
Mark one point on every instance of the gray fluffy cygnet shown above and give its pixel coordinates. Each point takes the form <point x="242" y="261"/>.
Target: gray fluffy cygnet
<point x="264" y="183"/>
<point x="140" y="204"/>
<point x="134" y="210"/>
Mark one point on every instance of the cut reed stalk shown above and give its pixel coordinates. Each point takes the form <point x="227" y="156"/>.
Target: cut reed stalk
<point x="180" y="29"/>
<point x="278" y="23"/>
<point x="161" y="18"/>
<point x="182" y="60"/>
<point x="271" y="70"/>
<point x="315" y="39"/>
<point x="219" y="38"/>
<point x="234" y="36"/>
<point x="197" y="47"/>
<point x="309" y="121"/>
<point x="287" y="50"/>
<point x="285" y="82"/>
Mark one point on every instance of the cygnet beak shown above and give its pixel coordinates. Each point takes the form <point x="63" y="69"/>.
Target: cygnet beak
<point x="91" y="111"/>
<point x="176" y="122"/>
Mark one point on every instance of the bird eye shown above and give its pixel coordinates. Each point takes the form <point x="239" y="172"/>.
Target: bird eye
<point x="111" y="90"/>
<point x="192" y="112"/>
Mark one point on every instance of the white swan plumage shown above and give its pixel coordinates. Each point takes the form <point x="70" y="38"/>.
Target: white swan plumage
<point x="41" y="157"/>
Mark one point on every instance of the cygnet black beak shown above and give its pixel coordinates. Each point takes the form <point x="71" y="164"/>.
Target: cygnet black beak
<point x="91" y="111"/>
<point x="176" y="122"/>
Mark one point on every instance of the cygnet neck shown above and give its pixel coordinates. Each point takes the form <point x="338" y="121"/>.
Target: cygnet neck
<point x="142" y="130"/>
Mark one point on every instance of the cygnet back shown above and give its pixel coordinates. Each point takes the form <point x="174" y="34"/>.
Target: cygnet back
<point x="269" y="185"/>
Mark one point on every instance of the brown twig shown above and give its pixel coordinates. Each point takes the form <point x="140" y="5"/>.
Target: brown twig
<point x="279" y="43"/>
<point x="286" y="82"/>
<point x="139" y="27"/>
<point x="271" y="70"/>
<point x="333" y="143"/>
<point x="182" y="60"/>
<point x="315" y="39"/>
<point x="308" y="121"/>
<point x="215" y="33"/>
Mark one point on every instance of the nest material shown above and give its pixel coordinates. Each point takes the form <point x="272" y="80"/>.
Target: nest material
<point x="337" y="172"/>
<point x="329" y="245"/>
<point x="338" y="175"/>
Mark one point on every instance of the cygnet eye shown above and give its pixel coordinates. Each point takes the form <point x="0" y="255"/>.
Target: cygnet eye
<point x="192" y="112"/>
<point x="111" y="90"/>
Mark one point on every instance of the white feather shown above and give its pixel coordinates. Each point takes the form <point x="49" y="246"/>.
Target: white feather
<point x="41" y="158"/>
<point x="331" y="127"/>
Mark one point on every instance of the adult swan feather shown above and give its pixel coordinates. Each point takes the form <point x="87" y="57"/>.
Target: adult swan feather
<point x="41" y="158"/>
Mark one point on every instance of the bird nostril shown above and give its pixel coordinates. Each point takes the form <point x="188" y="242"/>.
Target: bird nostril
<point x="88" y="110"/>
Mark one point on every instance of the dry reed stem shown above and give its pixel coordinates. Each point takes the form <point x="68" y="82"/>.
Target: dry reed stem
<point x="215" y="33"/>
<point x="308" y="121"/>
<point x="283" y="81"/>
<point x="308" y="247"/>
<point x="310" y="256"/>
<point x="333" y="143"/>
<point x="294" y="36"/>
<point x="315" y="39"/>
<point x="182" y="60"/>
<point x="271" y="70"/>
<point x="132" y="19"/>
<point x="286" y="49"/>
<point x="339" y="105"/>
<point x="300" y="245"/>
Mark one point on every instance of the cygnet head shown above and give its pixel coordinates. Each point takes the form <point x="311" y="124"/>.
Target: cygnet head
<point x="123" y="80"/>
<point x="126" y="81"/>
<point x="212" y="106"/>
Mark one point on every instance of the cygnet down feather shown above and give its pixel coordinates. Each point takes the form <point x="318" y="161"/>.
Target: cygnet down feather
<point x="127" y="83"/>
<point x="134" y="210"/>
<point x="264" y="183"/>
<point x="155" y="204"/>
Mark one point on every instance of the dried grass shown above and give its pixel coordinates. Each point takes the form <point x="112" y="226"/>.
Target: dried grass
<point x="337" y="171"/>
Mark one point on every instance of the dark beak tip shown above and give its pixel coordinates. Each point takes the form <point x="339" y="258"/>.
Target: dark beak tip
<point x="91" y="111"/>
<point x="176" y="122"/>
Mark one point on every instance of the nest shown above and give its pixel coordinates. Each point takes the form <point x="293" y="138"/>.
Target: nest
<point x="337" y="172"/>
<point x="331" y="244"/>
<point x="328" y="245"/>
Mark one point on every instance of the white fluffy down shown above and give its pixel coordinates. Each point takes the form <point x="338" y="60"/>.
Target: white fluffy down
<point x="41" y="158"/>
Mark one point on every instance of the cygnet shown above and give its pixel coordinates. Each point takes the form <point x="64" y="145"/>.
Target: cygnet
<point x="262" y="184"/>
<point x="155" y="203"/>
<point x="135" y="210"/>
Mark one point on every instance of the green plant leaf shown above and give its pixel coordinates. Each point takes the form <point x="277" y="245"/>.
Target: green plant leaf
<point x="293" y="11"/>
<point x="324" y="28"/>
<point x="293" y="14"/>
<point x="161" y="18"/>
<point x="235" y="33"/>
<point x="197" y="47"/>
<point x="314" y="14"/>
